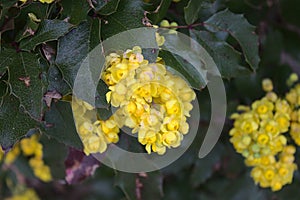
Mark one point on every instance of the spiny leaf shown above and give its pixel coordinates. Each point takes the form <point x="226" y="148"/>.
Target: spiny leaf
<point x="225" y="56"/>
<point x="14" y="123"/>
<point x="59" y="124"/>
<point x="49" y="30"/>
<point x="239" y="28"/>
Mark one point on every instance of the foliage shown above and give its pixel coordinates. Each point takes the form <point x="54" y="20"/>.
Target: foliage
<point x="43" y="44"/>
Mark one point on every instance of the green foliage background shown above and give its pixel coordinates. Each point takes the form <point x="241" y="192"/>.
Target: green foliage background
<point x="248" y="39"/>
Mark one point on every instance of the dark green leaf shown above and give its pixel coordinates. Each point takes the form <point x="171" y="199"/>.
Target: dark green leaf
<point x="240" y="29"/>
<point x="108" y="8"/>
<point x="56" y="82"/>
<point x="201" y="9"/>
<point x="26" y="84"/>
<point x="75" y="11"/>
<point x="73" y="48"/>
<point x="95" y="37"/>
<point x="54" y="160"/>
<point x="14" y="123"/>
<point x="59" y="124"/>
<point x="205" y="167"/>
<point x="184" y="68"/>
<point x="150" y="54"/>
<point x="49" y="30"/>
<point x="160" y="11"/>
<point x="225" y="56"/>
<point x="140" y="186"/>
<point x="129" y="15"/>
<point x="24" y="79"/>
<point x="3" y="88"/>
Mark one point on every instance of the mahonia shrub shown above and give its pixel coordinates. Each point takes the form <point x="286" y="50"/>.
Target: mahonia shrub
<point x="261" y="133"/>
<point x="148" y="99"/>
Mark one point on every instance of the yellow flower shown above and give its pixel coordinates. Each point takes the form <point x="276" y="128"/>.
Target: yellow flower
<point x="12" y="155"/>
<point x="43" y="173"/>
<point x="263" y="108"/>
<point x="94" y="144"/>
<point x="28" y="145"/>
<point x="267" y="85"/>
<point x="283" y="121"/>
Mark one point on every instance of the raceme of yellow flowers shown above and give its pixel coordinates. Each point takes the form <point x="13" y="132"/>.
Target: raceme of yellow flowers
<point x="42" y="1"/>
<point x="150" y="100"/>
<point x="30" y="147"/>
<point x="260" y="134"/>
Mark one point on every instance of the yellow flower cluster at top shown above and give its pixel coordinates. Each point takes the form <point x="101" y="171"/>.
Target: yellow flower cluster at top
<point x="34" y="150"/>
<point x="259" y="135"/>
<point x="151" y="101"/>
<point x="42" y="1"/>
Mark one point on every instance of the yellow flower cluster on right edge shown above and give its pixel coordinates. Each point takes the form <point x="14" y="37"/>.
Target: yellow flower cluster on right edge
<point x="259" y="134"/>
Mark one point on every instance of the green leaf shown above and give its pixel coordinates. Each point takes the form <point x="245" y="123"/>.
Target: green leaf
<point x="240" y="29"/>
<point x="201" y="9"/>
<point x="54" y="160"/>
<point x="225" y="56"/>
<point x="129" y="15"/>
<point x="49" y="30"/>
<point x="56" y="81"/>
<point x="183" y="68"/>
<point x="59" y="124"/>
<point x="73" y="48"/>
<point x="3" y="88"/>
<point x="24" y="79"/>
<point x="74" y="10"/>
<point x="108" y="8"/>
<point x="14" y="122"/>
<point x="204" y="168"/>
<point x="160" y="11"/>
<point x="140" y="186"/>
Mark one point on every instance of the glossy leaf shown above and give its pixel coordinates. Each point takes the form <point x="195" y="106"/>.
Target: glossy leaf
<point x="59" y="124"/>
<point x="225" y="56"/>
<point x="240" y="29"/>
<point x="73" y="48"/>
<point x="24" y="79"/>
<point x="71" y="8"/>
<point x="108" y="8"/>
<point x="14" y="122"/>
<point x="49" y="30"/>
<point x="129" y="15"/>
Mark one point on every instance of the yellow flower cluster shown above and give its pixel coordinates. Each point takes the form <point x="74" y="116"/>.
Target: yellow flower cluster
<point x="293" y="97"/>
<point x="27" y="194"/>
<point x="151" y="101"/>
<point x="258" y="134"/>
<point x="42" y="1"/>
<point x="34" y="150"/>
<point x="94" y="133"/>
<point x="276" y="174"/>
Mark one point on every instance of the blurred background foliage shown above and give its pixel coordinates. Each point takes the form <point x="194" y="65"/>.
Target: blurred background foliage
<point x="63" y="27"/>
